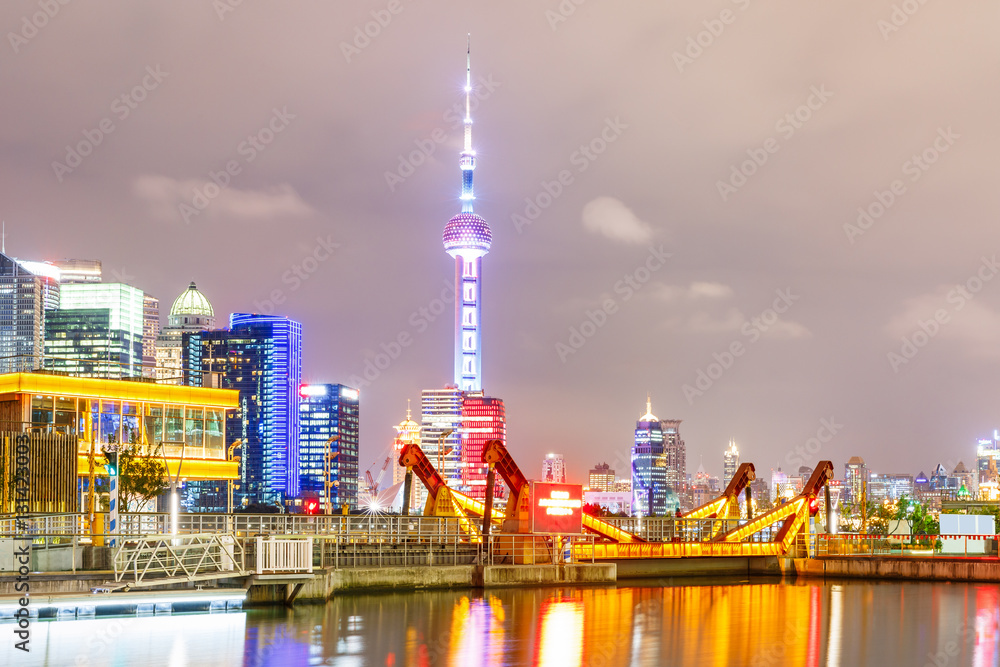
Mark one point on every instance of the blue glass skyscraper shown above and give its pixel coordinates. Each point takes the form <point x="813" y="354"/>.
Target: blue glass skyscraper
<point x="261" y="357"/>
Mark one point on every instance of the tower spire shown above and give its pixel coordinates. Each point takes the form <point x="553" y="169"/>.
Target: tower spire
<point x="468" y="158"/>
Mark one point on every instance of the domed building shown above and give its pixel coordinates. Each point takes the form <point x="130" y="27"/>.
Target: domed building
<point x="192" y="309"/>
<point x="191" y="312"/>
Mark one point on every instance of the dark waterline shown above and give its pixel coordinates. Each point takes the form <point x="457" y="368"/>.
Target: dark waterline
<point x="663" y="622"/>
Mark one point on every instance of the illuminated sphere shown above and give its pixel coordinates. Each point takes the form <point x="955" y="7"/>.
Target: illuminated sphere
<point x="467" y="231"/>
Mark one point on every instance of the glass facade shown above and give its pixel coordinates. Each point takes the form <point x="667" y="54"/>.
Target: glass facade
<point x="649" y="469"/>
<point x="198" y="431"/>
<point x="97" y="331"/>
<point x="261" y="357"/>
<point x="23" y="297"/>
<point x="483" y="419"/>
<point x="440" y="412"/>
<point x="325" y="411"/>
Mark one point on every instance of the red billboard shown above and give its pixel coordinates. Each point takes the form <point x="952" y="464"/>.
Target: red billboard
<point x="556" y="509"/>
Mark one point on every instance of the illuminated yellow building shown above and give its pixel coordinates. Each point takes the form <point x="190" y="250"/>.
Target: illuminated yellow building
<point x="189" y="422"/>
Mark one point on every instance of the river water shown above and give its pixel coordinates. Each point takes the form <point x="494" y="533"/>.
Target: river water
<point x="761" y="622"/>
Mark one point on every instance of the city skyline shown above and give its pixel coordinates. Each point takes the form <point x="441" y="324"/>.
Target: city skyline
<point x="313" y="229"/>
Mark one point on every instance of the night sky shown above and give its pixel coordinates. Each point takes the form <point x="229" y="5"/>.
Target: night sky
<point x="789" y="209"/>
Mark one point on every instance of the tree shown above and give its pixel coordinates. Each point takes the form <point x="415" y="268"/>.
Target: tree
<point x="142" y="473"/>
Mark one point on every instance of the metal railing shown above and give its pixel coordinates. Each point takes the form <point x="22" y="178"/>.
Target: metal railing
<point x="853" y="544"/>
<point x="670" y="529"/>
<point x="186" y="556"/>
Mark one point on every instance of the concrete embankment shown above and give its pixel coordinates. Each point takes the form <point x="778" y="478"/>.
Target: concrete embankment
<point x="938" y="568"/>
<point x="322" y="585"/>
<point x="735" y="566"/>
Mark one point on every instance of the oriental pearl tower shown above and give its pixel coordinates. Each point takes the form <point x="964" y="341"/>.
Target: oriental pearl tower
<point x="467" y="238"/>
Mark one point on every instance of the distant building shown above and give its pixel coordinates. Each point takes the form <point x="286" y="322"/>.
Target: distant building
<point x="988" y="461"/>
<point x="191" y="312"/>
<point x="326" y="411"/>
<point x="613" y="502"/>
<point x="441" y="435"/>
<point x="554" y="469"/>
<point x="855" y="478"/>
<point x="622" y="485"/>
<point x="407" y="433"/>
<point x="676" y="454"/>
<point x="730" y="463"/>
<point x="649" y="466"/>
<point x="23" y="298"/>
<point x="79" y="271"/>
<point x="889" y="487"/>
<point x="968" y="480"/>
<point x="483" y="419"/>
<point x="602" y="478"/>
<point x="150" y="331"/>
<point x="760" y="491"/>
<point x="261" y="356"/>
<point x="97" y="331"/>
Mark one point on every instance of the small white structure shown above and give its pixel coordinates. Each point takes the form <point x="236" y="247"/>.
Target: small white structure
<point x="613" y="500"/>
<point x="972" y="525"/>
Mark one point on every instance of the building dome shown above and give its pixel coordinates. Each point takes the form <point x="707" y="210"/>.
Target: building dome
<point x="192" y="308"/>
<point x="467" y="231"/>
<point x="192" y="302"/>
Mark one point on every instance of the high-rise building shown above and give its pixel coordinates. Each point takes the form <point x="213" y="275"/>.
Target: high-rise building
<point x="97" y="331"/>
<point x="483" y="419"/>
<point x="988" y="461"/>
<point x="602" y="478"/>
<point x="554" y="469"/>
<point x="23" y="299"/>
<point x="191" y="312"/>
<point x="79" y="271"/>
<point x="730" y="463"/>
<point x="649" y="466"/>
<point x="855" y="478"/>
<point x="676" y="455"/>
<point x="327" y="411"/>
<point x="441" y="434"/>
<point x="261" y="356"/>
<point x="150" y="330"/>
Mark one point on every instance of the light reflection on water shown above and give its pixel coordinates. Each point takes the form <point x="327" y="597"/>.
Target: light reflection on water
<point x="664" y="622"/>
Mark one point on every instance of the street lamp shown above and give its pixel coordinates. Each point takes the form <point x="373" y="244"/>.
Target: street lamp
<point x="444" y="434"/>
<point x="175" y="501"/>
<point x="229" y="483"/>
<point x="327" y="464"/>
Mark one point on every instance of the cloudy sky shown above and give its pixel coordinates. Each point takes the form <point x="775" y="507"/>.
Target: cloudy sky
<point x="766" y="215"/>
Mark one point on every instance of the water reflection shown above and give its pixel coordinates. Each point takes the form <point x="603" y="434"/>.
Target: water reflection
<point x="663" y="622"/>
